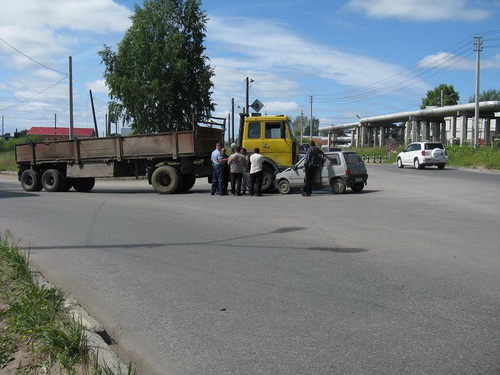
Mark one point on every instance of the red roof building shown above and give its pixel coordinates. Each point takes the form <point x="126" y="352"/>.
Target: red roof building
<point x="56" y="134"/>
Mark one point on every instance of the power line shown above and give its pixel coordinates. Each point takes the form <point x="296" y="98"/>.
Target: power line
<point x="36" y="62"/>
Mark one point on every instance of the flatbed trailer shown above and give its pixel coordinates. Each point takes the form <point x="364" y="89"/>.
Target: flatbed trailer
<point x="170" y="161"/>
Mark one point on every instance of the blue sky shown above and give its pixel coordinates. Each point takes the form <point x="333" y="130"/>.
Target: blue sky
<point x="353" y="57"/>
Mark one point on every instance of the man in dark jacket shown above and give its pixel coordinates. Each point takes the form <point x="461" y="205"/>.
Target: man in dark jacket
<point x="312" y="163"/>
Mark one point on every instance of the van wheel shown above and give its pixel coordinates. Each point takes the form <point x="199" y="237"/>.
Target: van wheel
<point x="357" y="188"/>
<point x="338" y="186"/>
<point x="166" y="180"/>
<point x="400" y="163"/>
<point x="53" y="180"/>
<point x="83" y="184"/>
<point x="440" y="166"/>
<point x="284" y="187"/>
<point x="31" y="180"/>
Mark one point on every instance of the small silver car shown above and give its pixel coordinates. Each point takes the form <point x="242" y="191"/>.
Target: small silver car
<point x="341" y="169"/>
<point x="423" y="154"/>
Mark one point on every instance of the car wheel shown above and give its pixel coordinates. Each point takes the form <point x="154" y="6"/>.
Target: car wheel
<point x="400" y="163"/>
<point x="338" y="186"/>
<point x="357" y="188"/>
<point x="417" y="164"/>
<point x="284" y="187"/>
<point x="440" y="166"/>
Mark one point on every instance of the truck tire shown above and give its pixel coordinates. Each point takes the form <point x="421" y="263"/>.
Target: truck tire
<point x="83" y="184"/>
<point x="166" y="180"/>
<point x="31" y="180"/>
<point x="267" y="179"/>
<point x="53" y="180"/>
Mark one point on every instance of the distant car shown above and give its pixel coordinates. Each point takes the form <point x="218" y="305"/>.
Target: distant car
<point x="341" y="169"/>
<point x="423" y="154"/>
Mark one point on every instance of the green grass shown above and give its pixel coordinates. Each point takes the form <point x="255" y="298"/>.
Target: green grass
<point x="459" y="156"/>
<point x="32" y="320"/>
<point x="7" y="161"/>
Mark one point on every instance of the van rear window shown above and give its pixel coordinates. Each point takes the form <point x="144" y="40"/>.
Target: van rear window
<point x="352" y="159"/>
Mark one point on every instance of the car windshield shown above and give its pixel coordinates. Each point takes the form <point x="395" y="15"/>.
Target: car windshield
<point x="352" y="159"/>
<point x="432" y="146"/>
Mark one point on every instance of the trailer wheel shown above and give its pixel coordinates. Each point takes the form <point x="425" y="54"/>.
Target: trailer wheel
<point x="31" y="180"/>
<point x="166" y="180"/>
<point x="53" y="180"/>
<point x="83" y="184"/>
<point x="188" y="182"/>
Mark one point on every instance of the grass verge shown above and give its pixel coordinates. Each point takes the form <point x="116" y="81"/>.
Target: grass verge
<point x="37" y="336"/>
<point x="459" y="156"/>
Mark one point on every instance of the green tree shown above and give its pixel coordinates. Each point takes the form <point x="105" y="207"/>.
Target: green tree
<point x="304" y="121"/>
<point x="486" y="96"/>
<point x="160" y="76"/>
<point x="440" y="96"/>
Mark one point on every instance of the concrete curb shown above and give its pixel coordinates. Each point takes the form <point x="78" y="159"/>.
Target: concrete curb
<point x="97" y="338"/>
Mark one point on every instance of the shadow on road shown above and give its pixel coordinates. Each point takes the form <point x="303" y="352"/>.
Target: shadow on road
<point x="216" y="243"/>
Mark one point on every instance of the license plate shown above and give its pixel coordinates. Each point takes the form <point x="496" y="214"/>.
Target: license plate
<point x="359" y="179"/>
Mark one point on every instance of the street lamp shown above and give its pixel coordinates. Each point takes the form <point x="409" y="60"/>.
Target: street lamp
<point x="247" y="85"/>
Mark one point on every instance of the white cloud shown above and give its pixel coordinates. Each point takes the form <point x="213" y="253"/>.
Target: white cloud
<point x="258" y="47"/>
<point x="419" y="10"/>
<point x="98" y="86"/>
<point x="444" y="60"/>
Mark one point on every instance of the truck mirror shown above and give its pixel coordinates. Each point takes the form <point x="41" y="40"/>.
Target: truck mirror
<point x="283" y="129"/>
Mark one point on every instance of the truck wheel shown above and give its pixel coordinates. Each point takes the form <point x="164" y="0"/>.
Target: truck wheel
<point x="53" y="180"/>
<point x="338" y="186"/>
<point x="31" y="180"/>
<point x="83" y="184"/>
<point x="267" y="179"/>
<point x="166" y="180"/>
<point x="284" y="187"/>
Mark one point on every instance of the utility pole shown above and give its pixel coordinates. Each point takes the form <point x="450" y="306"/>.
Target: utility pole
<point x="2" y="126"/>
<point x="55" y="126"/>
<point x="311" y="130"/>
<point x="70" y="77"/>
<point x="478" y="47"/>
<point x="232" y="119"/>
<point x="301" y="126"/>
<point x="247" y="85"/>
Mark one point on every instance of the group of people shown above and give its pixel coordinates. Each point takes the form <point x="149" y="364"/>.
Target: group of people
<point x="242" y="169"/>
<point x="245" y="170"/>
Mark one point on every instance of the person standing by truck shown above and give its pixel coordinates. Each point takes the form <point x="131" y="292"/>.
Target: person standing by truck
<point x="312" y="163"/>
<point x="245" y="185"/>
<point x="217" y="182"/>
<point x="256" y="160"/>
<point x="236" y="164"/>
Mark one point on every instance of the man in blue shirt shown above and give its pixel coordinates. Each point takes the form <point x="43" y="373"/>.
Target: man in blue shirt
<point x="217" y="180"/>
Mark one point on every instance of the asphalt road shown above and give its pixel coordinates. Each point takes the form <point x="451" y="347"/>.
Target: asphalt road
<point x="403" y="278"/>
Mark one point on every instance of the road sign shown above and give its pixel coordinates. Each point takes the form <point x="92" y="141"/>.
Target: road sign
<point x="257" y="105"/>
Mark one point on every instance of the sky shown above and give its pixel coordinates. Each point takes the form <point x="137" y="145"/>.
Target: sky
<point x="336" y="59"/>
